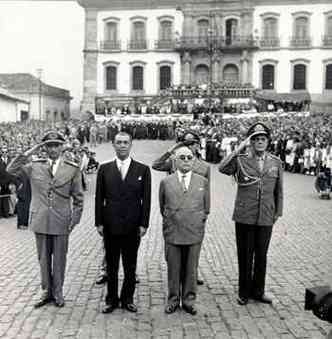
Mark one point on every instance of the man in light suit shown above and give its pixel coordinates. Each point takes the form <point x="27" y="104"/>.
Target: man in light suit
<point x="184" y="199"/>
<point x="258" y="205"/>
<point x="56" y="207"/>
<point x="122" y="212"/>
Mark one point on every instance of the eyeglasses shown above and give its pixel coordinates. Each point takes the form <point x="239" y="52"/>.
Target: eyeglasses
<point x="184" y="157"/>
<point x="259" y="138"/>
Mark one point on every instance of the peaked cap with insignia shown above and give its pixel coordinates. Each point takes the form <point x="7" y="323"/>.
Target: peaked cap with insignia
<point x="53" y="137"/>
<point x="257" y="129"/>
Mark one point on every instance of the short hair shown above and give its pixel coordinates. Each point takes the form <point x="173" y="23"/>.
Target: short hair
<point x="123" y="134"/>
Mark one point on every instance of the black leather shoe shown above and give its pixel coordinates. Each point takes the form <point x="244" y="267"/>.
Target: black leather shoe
<point x="44" y="300"/>
<point x="171" y="308"/>
<point x="131" y="307"/>
<point x="200" y="281"/>
<point x="101" y="280"/>
<point x="263" y="299"/>
<point x="242" y="301"/>
<point x="59" y="303"/>
<point x="189" y="309"/>
<point x="109" y="308"/>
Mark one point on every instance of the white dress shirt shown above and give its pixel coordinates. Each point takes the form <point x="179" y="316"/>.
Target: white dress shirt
<point x="126" y="163"/>
<point x="186" y="177"/>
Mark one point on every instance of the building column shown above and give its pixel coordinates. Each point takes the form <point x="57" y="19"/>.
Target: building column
<point x="90" y="53"/>
<point x="215" y="67"/>
<point x="245" y="67"/>
<point x="186" y="60"/>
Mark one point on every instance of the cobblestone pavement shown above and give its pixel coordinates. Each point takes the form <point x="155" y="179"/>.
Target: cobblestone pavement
<point x="300" y="256"/>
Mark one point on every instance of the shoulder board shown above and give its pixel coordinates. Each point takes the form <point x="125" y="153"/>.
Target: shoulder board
<point x="71" y="163"/>
<point x="274" y="157"/>
<point x="39" y="160"/>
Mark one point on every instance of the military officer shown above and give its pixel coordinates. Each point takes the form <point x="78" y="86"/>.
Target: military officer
<point x="258" y="205"/>
<point x="56" y="207"/>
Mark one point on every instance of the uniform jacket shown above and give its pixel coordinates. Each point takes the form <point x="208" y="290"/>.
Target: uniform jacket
<point x="259" y="199"/>
<point x="122" y="206"/>
<point x="57" y="203"/>
<point x="165" y="164"/>
<point x="184" y="213"/>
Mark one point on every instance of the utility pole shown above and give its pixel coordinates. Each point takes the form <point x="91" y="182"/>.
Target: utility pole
<point x="39" y="74"/>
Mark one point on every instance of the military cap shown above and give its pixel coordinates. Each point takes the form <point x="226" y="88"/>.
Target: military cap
<point x="190" y="135"/>
<point x="53" y="136"/>
<point x="257" y="129"/>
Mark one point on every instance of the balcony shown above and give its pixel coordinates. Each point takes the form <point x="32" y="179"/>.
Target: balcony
<point x="300" y="42"/>
<point x="110" y="45"/>
<point x="270" y="42"/>
<point x="165" y="44"/>
<point x="216" y="42"/>
<point x="137" y="45"/>
<point x="327" y="40"/>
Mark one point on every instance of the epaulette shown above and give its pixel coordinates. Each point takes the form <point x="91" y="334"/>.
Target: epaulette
<point x="71" y="163"/>
<point x="39" y="160"/>
<point x="274" y="157"/>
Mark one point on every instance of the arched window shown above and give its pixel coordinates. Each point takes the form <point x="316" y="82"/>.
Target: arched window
<point x="166" y="30"/>
<point x="137" y="80"/>
<point x="231" y="30"/>
<point x="328" y="77"/>
<point x="138" y="36"/>
<point x="268" y="77"/>
<point x="203" y="27"/>
<point x="111" y="31"/>
<point x="165" y="77"/>
<point x="201" y="74"/>
<point x="299" y="76"/>
<point x="111" y="78"/>
<point x="231" y="74"/>
<point x="301" y="29"/>
<point x="270" y="28"/>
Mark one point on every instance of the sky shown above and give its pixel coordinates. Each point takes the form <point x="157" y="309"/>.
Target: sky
<point x="47" y="35"/>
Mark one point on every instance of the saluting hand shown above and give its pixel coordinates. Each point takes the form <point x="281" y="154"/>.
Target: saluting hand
<point x="243" y="145"/>
<point x="33" y="149"/>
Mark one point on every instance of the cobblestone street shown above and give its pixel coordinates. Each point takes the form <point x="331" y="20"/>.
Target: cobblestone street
<point x="300" y="256"/>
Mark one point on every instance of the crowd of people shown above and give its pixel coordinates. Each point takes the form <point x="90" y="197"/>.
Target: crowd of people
<point x="302" y="141"/>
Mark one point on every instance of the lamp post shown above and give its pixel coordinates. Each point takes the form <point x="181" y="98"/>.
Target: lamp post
<point x="211" y="49"/>
<point x="39" y="74"/>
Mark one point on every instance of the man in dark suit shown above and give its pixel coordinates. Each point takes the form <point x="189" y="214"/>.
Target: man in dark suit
<point x="122" y="212"/>
<point x="258" y="205"/>
<point x="184" y="199"/>
<point x="5" y="180"/>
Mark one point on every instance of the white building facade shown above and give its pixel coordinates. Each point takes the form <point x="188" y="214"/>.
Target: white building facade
<point x="134" y="49"/>
<point x="295" y="53"/>
<point x="12" y="108"/>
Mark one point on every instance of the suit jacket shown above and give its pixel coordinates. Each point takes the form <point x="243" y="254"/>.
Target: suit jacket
<point x="184" y="213"/>
<point x="259" y="199"/>
<point x="122" y="206"/>
<point x="166" y="164"/>
<point x="57" y="202"/>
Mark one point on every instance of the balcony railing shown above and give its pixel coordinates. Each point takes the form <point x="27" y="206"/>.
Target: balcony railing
<point x="165" y="44"/>
<point x="137" y="44"/>
<point x="327" y="40"/>
<point x="269" y="42"/>
<point x="299" y="42"/>
<point x="110" y="45"/>
<point x="216" y="42"/>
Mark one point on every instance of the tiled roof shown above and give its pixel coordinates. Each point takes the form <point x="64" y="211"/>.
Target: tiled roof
<point x="27" y="83"/>
<point x="6" y="94"/>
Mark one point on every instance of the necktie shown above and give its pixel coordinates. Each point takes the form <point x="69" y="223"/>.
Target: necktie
<point x="122" y="170"/>
<point x="183" y="183"/>
<point x="52" y="167"/>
